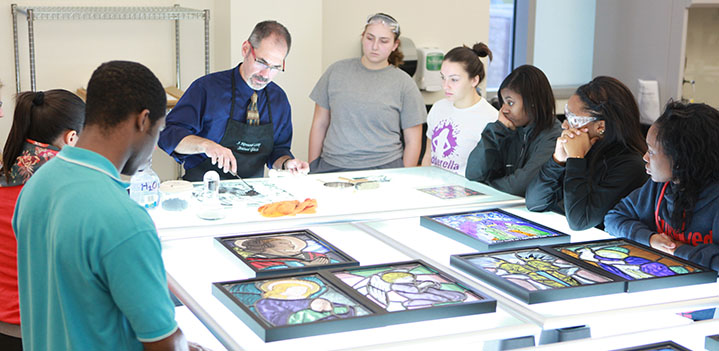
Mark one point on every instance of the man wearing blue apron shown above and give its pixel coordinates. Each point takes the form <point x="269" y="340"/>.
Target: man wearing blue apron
<point x="236" y="121"/>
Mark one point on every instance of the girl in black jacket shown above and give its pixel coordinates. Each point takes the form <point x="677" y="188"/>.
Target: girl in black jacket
<point x="598" y="158"/>
<point x="512" y="149"/>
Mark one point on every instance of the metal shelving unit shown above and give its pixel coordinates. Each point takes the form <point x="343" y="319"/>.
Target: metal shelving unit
<point x="174" y="13"/>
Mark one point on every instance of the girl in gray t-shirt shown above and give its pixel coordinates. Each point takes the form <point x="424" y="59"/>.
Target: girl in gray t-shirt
<point x="367" y="108"/>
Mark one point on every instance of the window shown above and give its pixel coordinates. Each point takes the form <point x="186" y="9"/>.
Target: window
<point x="555" y="35"/>
<point x="501" y="41"/>
<point x="564" y="41"/>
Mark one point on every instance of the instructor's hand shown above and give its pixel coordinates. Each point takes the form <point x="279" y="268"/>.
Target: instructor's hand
<point x="220" y="155"/>
<point x="297" y="166"/>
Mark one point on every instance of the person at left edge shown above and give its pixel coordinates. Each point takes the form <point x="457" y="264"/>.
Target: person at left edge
<point x="208" y="129"/>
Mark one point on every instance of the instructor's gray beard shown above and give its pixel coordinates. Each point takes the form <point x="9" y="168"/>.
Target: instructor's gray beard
<point x="259" y="78"/>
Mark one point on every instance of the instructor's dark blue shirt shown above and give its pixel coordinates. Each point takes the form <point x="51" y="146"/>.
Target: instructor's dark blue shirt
<point x="204" y="110"/>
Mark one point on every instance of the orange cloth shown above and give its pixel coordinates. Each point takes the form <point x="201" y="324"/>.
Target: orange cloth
<point x="288" y="208"/>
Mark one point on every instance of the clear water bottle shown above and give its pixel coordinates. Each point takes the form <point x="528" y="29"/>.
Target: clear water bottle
<point x="145" y="188"/>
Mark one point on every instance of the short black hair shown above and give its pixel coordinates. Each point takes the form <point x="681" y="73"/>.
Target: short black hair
<point x="537" y="96"/>
<point x="120" y="88"/>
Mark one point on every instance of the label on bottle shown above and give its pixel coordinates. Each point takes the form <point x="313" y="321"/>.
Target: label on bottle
<point x="150" y="186"/>
<point x="149" y="200"/>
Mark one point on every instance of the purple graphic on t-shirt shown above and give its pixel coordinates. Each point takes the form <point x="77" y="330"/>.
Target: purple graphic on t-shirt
<point x="444" y="138"/>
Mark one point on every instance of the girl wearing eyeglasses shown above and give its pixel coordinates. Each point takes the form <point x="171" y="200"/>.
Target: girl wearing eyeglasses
<point x="677" y="211"/>
<point x="368" y="113"/>
<point x="512" y="149"/>
<point x="43" y="123"/>
<point x="598" y="158"/>
<point x="455" y="123"/>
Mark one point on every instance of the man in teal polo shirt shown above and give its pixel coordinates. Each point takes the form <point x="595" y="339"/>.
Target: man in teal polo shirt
<point x="90" y="272"/>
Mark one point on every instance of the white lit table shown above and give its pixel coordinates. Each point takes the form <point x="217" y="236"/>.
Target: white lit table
<point x="193" y="264"/>
<point x="689" y="335"/>
<point x="382" y="225"/>
<point x="395" y="198"/>
<point x="612" y="314"/>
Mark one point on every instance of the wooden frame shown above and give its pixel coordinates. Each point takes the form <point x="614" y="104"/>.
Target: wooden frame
<point x="306" y="251"/>
<point x="493" y="234"/>
<point x="306" y="304"/>
<point x="535" y="275"/>
<point x="658" y="269"/>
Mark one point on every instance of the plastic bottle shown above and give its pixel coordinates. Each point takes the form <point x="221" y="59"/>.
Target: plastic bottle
<point x="144" y="188"/>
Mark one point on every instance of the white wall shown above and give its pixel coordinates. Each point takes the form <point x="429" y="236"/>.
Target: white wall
<point x="323" y="31"/>
<point x="431" y="23"/>
<point x="66" y="52"/>
<point x="641" y="39"/>
<point x="564" y="40"/>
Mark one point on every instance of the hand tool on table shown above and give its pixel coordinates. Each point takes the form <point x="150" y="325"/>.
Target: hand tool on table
<point x="361" y="183"/>
<point x="335" y="184"/>
<point x="252" y="191"/>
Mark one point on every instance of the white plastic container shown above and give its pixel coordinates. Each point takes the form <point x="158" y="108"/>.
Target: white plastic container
<point x="175" y="195"/>
<point x="429" y="61"/>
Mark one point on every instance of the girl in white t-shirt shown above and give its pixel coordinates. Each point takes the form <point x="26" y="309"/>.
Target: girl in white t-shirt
<point x="455" y="123"/>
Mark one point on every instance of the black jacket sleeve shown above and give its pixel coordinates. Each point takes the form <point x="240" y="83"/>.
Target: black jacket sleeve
<point x="539" y="150"/>
<point x="545" y="190"/>
<point x="486" y="162"/>
<point x="587" y="201"/>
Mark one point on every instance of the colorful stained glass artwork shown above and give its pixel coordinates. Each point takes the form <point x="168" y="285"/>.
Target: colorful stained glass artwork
<point x="296" y="300"/>
<point x="406" y="286"/>
<point x="627" y="260"/>
<point x="450" y="192"/>
<point x="296" y="305"/>
<point x="534" y="270"/>
<point x="285" y="251"/>
<point x="494" y="226"/>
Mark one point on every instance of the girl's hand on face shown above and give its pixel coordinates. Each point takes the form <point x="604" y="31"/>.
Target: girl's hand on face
<point x="571" y="132"/>
<point x="565" y="125"/>
<point x="578" y="142"/>
<point x="507" y="123"/>
<point x="560" y="154"/>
